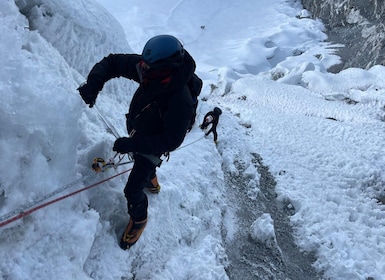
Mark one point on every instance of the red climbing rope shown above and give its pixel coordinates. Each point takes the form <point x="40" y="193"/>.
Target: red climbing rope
<point x="25" y="213"/>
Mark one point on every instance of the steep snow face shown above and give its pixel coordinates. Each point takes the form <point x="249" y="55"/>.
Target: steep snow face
<point x="81" y="31"/>
<point x="35" y="97"/>
<point x="40" y="132"/>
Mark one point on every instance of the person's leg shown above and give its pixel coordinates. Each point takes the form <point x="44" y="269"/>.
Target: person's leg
<point x="136" y="201"/>
<point x="141" y="173"/>
<point x="215" y="135"/>
<point x="209" y="131"/>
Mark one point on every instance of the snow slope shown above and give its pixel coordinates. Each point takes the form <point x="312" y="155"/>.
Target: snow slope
<point x="320" y="134"/>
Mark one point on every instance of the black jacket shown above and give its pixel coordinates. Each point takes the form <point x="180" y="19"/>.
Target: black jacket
<point x="160" y="112"/>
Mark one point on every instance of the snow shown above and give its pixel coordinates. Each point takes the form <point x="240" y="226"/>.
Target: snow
<point x="265" y="65"/>
<point x="262" y="230"/>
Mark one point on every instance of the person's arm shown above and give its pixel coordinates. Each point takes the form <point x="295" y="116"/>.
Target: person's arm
<point x="204" y="122"/>
<point x="112" y="66"/>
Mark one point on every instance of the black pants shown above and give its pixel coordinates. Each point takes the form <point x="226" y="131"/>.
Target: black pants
<point x="213" y="129"/>
<point x="141" y="174"/>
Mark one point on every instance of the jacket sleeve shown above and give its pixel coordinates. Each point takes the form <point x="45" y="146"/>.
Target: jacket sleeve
<point x="113" y="66"/>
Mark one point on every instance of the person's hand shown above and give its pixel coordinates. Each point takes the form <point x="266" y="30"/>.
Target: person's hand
<point x="122" y="145"/>
<point x="88" y="93"/>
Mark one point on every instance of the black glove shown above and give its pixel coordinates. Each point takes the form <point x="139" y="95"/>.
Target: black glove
<point x="123" y="145"/>
<point x="89" y="93"/>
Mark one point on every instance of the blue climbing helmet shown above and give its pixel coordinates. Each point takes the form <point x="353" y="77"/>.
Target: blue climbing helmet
<point x="163" y="51"/>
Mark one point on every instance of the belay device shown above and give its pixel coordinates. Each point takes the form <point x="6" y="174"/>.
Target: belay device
<point x="100" y="165"/>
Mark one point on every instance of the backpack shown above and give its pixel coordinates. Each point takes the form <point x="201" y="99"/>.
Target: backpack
<point x="195" y="86"/>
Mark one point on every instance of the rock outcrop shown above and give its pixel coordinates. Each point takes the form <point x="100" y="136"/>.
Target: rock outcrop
<point x="358" y="25"/>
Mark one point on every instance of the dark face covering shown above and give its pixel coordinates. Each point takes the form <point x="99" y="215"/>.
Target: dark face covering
<point x="147" y="73"/>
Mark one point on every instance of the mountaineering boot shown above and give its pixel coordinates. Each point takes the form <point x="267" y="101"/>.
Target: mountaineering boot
<point x="154" y="187"/>
<point x="132" y="233"/>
